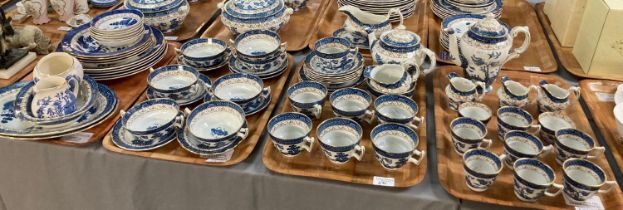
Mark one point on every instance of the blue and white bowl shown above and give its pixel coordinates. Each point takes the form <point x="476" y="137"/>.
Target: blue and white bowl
<point x="204" y="52"/>
<point x="521" y="144"/>
<point x="514" y="118"/>
<point x="573" y="143"/>
<point x="307" y="97"/>
<point x="239" y="88"/>
<point x="258" y="45"/>
<point x="481" y="168"/>
<point x="532" y="179"/>
<point x="334" y="52"/>
<point x="339" y="139"/>
<point x="174" y="81"/>
<point x="551" y="122"/>
<point x="199" y="147"/>
<point x="583" y="179"/>
<point x="397" y="109"/>
<point x="152" y="118"/>
<point x="215" y="121"/>
<point x="352" y="103"/>
<point x="468" y="133"/>
<point x="290" y="133"/>
<point x="395" y="145"/>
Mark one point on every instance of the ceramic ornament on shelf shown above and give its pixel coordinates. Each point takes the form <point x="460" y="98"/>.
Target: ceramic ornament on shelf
<point x="65" y="9"/>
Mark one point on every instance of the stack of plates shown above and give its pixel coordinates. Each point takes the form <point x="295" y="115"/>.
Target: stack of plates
<point x="458" y="24"/>
<point x="98" y="101"/>
<point x="446" y="8"/>
<point x="108" y="63"/>
<point x="103" y="3"/>
<point x="117" y="28"/>
<point x="349" y="76"/>
<point x="382" y="7"/>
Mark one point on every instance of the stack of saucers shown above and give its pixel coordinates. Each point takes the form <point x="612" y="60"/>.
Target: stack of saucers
<point x="334" y="63"/>
<point x="214" y="127"/>
<point x="103" y="3"/>
<point x="407" y="7"/>
<point x="458" y="25"/>
<point x="260" y="53"/>
<point x="103" y="62"/>
<point x="184" y="84"/>
<point x="117" y="28"/>
<point x="204" y="54"/>
<point x="94" y="103"/>
<point x="445" y="8"/>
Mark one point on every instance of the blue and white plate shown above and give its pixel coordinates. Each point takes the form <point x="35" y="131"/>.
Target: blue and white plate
<point x="193" y="145"/>
<point x="103" y="3"/>
<point x="191" y="98"/>
<point x="125" y="140"/>
<point x="180" y="60"/>
<point x="15" y="128"/>
<point x="235" y="66"/>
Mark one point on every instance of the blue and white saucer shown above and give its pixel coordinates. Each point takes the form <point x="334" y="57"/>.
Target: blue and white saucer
<point x="180" y="60"/>
<point x="193" y="145"/>
<point x="191" y="98"/>
<point x="125" y="140"/>
<point x="358" y="39"/>
<point x="236" y="67"/>
<point x="252" y="107"/>
<point x="103" y="3"/>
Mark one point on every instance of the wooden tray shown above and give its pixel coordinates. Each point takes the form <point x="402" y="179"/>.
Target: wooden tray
<point x="201" y="13"/>
<point x="450" y="166"/>
<point x="296" y="32"/>
<point x="333" y="20"/>
<point x="127" y="89"/>
<point x="515" y="13"/>
<point x="601" y="110"/>
<point x="316" y="164"/>
<point x="565" y="54"/>
<point x="174" y="152"/>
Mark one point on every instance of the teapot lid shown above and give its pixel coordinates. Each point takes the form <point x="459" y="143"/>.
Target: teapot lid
<point x="489" y="30"/>
<point x="400" y="38"/>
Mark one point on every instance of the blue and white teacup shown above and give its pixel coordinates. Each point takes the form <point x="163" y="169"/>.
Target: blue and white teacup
<point x="461" y="90"/>
<point x="583" y="179"/>
<point x="533" y="178"/>
<point x="290" y="133"/>
<point x="152" y="119"/>
<point x="240" y="88"/>
<point x="512" y="118"/>
<point x="475" y="110"/>
<point x="258" y="45"/>
<point x="307" y="97"/>
<point x="395" y="145"/>
<point x="553" y="98"/>
<point x="521" y="144"/>
<point x="573" y="143"/>
<point x="481" y="168"/>
<point x="352" y="103"/>
<point x="390" y="76"/>
<point x="468" y="133"/>
<point x="551" y="122"/>
<point x="334" y="52"/>
<point x="339" y="139"/>
<point x="216" y="121"/>
<point x="174" y="81"/>
<point x="513" y="93"/>
<point x="397" y="109"/>
<point x="204" y="52"/>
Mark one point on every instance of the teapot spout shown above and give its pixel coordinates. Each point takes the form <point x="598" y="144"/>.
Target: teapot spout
<point x="454" y="49"/>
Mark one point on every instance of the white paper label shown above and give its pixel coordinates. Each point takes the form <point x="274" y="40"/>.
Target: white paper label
<point x="219" y="158"/>
<point x="604" y="97"/>
<point x="64" y="28"/>
<point x="170" y="38"/>
<point x="532" y="68"/>
<point x="593" y="203"/>
<point x="78" y="138"/>
<point x="383" y="181"/>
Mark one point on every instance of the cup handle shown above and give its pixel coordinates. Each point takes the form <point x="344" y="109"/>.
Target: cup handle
<point x="187" y="111"/>
<point x="433" y="60"/>
<point x="317" y="111"/>
<point x="558" y="188"/>
<point x="359" y="151"/>
<point x="308" y="143"/>
<point x="535" y="128"/>
<point x="486" y="142"/>
<point x="151" y="69"/>
<point x="179" y="121"/>
<point x="609" y="185"/>
<point x="265" y="92"/>
<point x="575" y="90"/>
<point x="369" y="116"/>
<point x="122" y="113"/>
<point x="242" y="133"/>
<point x="546" y="150"/>
<point x="420" y="154"/>
<point x="502" y="158"/>
<point x="413" y="126"/>
<point x="178" y="51"/>
<point x="598" y="152"/>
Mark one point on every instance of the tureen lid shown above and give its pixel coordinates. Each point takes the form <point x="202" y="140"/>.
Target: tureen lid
<point x="253" y="8"/>
<point x="400" y="38"/>
<point x="152" y="6"/>
<point x="489" y="30"/>
<point x="253" y="4"/>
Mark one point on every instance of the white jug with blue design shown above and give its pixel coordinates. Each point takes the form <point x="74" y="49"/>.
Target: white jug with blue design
<point x="486" y="47"/>
<point x="53" y="98"/>
<point x="365" y="22"/>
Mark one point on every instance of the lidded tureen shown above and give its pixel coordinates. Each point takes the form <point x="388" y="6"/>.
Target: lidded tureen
<point x="486" y="47"/>
<point x="165" y="15"/>
<point x="244" y="15"/>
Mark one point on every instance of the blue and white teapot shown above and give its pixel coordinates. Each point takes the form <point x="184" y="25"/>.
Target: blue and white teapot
<point x="245" y="15"/>
<point x="400" y="46"/>
<point x="486" y="47"/>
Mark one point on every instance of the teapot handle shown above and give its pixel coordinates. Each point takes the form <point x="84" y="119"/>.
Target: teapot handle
<point x="425" y="52"/>
<point x="526" y="42"/>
